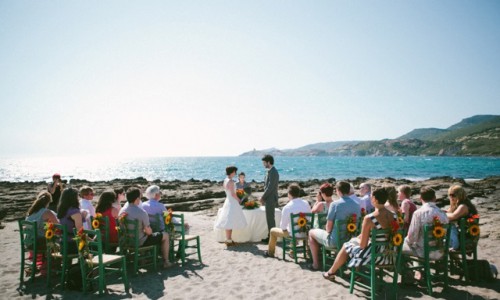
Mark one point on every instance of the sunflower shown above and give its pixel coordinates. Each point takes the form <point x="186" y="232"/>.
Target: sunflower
<point x="98" y="215"/>
<point x="438" y="232"/>
<point x="168" y="218"/>
<point x="81" y="244"/>
<point x="95" y="224"/>
<point x="49" y="234"/>
<point x="474" y="230"/>
<point x="397" y="239"/>
<point x="401" y="220"/>
<point x="351" y="227"/>
<point x="301" y="222"/>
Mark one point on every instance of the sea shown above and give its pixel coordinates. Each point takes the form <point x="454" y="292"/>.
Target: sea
<point x="213" y="168"/>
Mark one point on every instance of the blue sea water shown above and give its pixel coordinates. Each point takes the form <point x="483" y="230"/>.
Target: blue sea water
<point x="213" y="168"/>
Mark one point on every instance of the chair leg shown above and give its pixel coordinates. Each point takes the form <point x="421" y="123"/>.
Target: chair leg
<point x="182" y="249"/>
<point x="351" y="288"/>
<point x="124" y="274"/>
<point x="21" y="275"/>
<point x="63" y="273"/>
<point x="427" y="269"/>
<point x="198" y="248"/>
<point x="102" y="283"/>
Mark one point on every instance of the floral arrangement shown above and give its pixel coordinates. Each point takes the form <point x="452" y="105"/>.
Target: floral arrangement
<point x="438" y="231"/>
<point x="81" y="239"/>
<point x="396" y="238"/>
<point x="167" y="217"/>
<point x="473" y="227"/>
<point x="401" y="220"/>
<point x="50" y="233"/>
<point x="251" y="204"/>
<point x="351" y="224"/>
<point x="363" y="213"/>
<point x="302" y="223"/>
<point x="98" y="221"/>
<point x="241" y="194"/>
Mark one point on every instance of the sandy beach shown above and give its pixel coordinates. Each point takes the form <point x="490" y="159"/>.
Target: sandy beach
<point x="242" y="271"/>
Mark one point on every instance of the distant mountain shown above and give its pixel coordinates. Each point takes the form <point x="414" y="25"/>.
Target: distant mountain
<point x="475" y="136"/>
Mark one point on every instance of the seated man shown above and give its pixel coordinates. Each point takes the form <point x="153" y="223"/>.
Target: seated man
<point x="339" y="210"/>
<point x="365" y="190"/>
<point x="414" y="242"/>
<point x="146" y="235"/>
<point x="153" y="206"/>
<point x="295" y="205"/>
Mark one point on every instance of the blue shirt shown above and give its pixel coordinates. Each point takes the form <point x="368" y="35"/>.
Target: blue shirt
<point x="153" y="207"/>
<point x="341" y="210"/>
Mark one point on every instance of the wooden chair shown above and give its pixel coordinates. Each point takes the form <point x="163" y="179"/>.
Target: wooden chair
<point x="468" y="246"/>
<point x="373" y="272"/>
<point x="425" y="263"/>
<point x="154" y="222"/>
<point x="292" y="242"/>
<point x="329" y="254"/>
<point x="320" y="220"/>
<point x="128" y="237"/>
<point x="28" y="232"/>
<point x="57" y="252"/>
<point x="181" y="240"/>
<point x="96" y="267"/>
<point x="105" y="234"/>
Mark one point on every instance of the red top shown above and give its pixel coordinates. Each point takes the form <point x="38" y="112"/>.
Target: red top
<point x="113" y="234"/>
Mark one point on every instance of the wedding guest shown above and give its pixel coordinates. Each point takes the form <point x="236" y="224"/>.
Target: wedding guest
<point x="87" y="195"/>
<point x="146" y="235"/>
<point x="460" y="206"/>
<point x="106" y="209"/>
<point x="153" y="206"/>
<point x="352" y="195"/>
<point x="295" y="205"/>
<point x="365" y="191"/>
<point x="141" y="189"/>
<point x="407" y="206"/>
<point x="39" y="212"/>
<point x="70" y="216"/>
<point x="55" y="188"/>
<point x="340" y="209"/>
<point x="358" y="249"/>
<point x="231" y="216"/>
<point x="120" y="197"/>
<point x="392" y="199"/>
<point x="270" y="196"/>
<point x="323" y="199"/>
<point x="241" y="184"/>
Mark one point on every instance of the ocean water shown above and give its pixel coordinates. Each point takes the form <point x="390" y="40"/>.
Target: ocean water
<point x="213" y="168"/>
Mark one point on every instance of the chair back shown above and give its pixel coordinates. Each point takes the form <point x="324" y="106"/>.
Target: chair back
<point x="468" y="242"/>
<point x="320" y="220"/>
<point x="155" y="221"/>
<point x="301" y="231"/>
<point x="59" y="242"/>
<point x="28" y="232"/>
<point x="340" y="230"/>
<point x="104" y="228"/>
<point x="383" y="250"/>
<point x="179" y="229"/>
<point x="129" y="235"/>
<point x="94" y="242"/>
<point x="434" y="244"/>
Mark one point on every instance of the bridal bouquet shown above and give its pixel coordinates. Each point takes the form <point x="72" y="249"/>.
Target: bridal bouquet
<point x="241" y="194"/>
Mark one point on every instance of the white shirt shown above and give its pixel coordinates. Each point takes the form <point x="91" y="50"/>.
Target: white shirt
<point x="356" y="199"/>
<point x="366" y="203"/>
<point x="87" y="205"/>
<point x="294" y="206"/>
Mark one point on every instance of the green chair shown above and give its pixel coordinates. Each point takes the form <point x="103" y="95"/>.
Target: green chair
<point x="98" y="265"/>
<point x="292" y="242"/>
<point x="57" y="252"/>
<point x="320" y="220"/>
<point x="426" y="264"/>
<point x="154" y="222"/>
<point x="181" y="241"/>
<point x="373" y="272"/>
<point x="128" y="237"/>
<point x="468" y="246"/>
<point x="105" y="229"/>
<point x="29" y="235"/>
<point x="329" y="254"/>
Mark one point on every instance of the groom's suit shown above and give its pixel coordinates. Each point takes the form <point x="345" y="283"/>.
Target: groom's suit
<point x="270" y="196"/>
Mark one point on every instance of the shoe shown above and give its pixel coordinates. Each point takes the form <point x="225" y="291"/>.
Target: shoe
<point x="266" y="254"/>
<point x="265" y="241"/>
<point x="230" y="243"/>
<point x="329" y="276"/>
<point x="168" y="264"/>
<point x="312" y="268"/>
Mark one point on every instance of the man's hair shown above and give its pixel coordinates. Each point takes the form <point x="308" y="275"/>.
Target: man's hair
<point x="132" y="194"/>
<point x="344" y="187"/>
<point x="326" y="189"/>
<point x="241" y="174"/>
<point x="294" y="190"/>
<point x="231" y="169"/>
<point x="381" y="195"/>
<point x="405" y="189"/>
<point x="367" y="185"/>
<point x="268" y="158"/>
<point x="85" y="190"/>
<point x="427" y="194"/>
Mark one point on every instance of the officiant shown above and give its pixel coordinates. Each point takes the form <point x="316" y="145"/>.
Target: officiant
<point x="243" y="185"/>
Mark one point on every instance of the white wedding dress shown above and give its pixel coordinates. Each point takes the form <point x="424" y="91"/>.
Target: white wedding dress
<point x="231" y="216"/>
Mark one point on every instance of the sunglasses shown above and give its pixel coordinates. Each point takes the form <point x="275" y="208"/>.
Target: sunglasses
<point x="451" y="195"/>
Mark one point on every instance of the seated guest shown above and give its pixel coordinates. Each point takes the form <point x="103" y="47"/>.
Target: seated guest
<point x="120" y="197"/>
<point x="153" y="206"/>
<point x="146" y="235"/>
<point x="241" y="184"/>
<point x="295" y="205"/>
<point x="40" y="213"/>
<point x="339" y="210"/>
<point x="358" y="250"/>
<point x="460" y="207"/>
<point x="141" y="189"/>
<point x="323" y="201"/>
<point x="407" y="206"/>
<point x="106" y="209"/>
<point x="392" y="199"/>
<point x="352" y="194"/>
<point x="87" y="195"/>
<point x="365" y="190"/>
<point x="70" y="216"/>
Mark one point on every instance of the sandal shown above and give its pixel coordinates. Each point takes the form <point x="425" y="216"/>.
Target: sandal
<point x="329" y="276"/>
<point x="312" y="268"/>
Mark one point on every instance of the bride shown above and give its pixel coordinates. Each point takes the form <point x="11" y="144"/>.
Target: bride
<point x="231" y="217"/>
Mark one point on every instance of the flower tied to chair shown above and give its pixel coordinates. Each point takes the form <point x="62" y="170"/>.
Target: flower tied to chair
<point x="50" y="234"/>
<point x="438" y="231"/>
<point x="302" y="223"/>
<point x="473" y="227"/>
<point x="401" y="221"/>
<point x="82" y="241"/>
<point x="395" y="237"/>
<point x="169" y="222"/>
<point x="363" y="213"/>
<point x="351" y="225"/>
<point x="98" y="221"/>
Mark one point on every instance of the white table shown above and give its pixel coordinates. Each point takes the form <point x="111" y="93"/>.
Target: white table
<point x="256" y="229"/>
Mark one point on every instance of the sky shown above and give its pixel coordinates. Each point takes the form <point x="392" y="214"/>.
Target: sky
<point x="218" y="78"/>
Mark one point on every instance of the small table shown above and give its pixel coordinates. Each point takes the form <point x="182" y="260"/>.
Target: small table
<point x="256" y="229"/>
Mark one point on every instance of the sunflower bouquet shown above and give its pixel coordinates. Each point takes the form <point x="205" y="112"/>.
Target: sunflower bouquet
<point x="401" y="220"/>
<point x="352" y="225"/>
<point x="169" y="222"/>
<point x="98" y="221"/>
<point x="473" y="227"/>
<point x="438" y="231"/>
<point x="82" y="240"/>
<point x="302" y="223"/>
<point x="396" y="238"/>
<point x="51" y="233"/>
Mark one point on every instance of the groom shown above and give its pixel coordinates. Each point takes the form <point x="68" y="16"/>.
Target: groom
<point x="270" y="196"/>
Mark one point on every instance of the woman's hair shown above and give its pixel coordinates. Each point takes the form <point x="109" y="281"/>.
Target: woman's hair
<point x="230" y="170"/>
<point x="380" y="194"/>
<point x="326" y="189"/>
<point x="106" y="201"/>
<point x="86" y="190"/>
<point x="69" y="199"/>
<point x="392" y="195"/>
<point x="459" y="193"/>
<point x="406" y="190"/>
<point x="41" y="201"/>
<point x="119" y="191"/>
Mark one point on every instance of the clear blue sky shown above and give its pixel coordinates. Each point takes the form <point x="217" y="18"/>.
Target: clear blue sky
<point x="210" y="78"/>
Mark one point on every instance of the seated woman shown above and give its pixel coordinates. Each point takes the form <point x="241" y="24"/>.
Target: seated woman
<point x="323" y="201"/>
<point x="392" y="199"/>
<point x="460" y="206"/>
<point x="407" y="206"/>
<point x="120" y="197"/>
<point x="106" y="209"/>
<point x="358" y="249"/>
<point x="70" y="216"/>
<point x="40" y="213"/>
